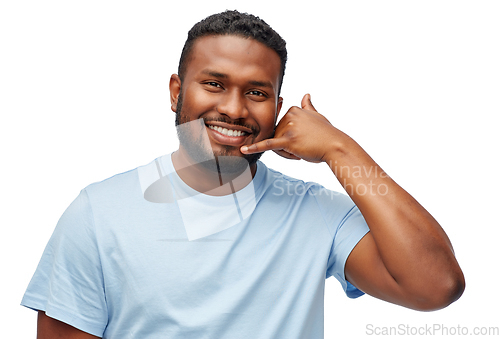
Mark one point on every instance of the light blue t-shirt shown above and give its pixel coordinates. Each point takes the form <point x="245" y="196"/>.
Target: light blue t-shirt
<point x="248" y="265"/>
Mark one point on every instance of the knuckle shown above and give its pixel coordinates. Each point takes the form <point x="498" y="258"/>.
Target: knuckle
<point x="290" y="134"/>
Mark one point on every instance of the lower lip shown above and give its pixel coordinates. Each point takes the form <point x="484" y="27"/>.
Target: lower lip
<point x="226" y="139"/>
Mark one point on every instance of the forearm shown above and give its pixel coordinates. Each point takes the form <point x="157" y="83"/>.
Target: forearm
<point x="411" y="243"/>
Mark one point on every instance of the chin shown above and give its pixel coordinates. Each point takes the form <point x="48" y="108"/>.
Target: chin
<point x="235" y="164"/>
<point x="223" y="163"/>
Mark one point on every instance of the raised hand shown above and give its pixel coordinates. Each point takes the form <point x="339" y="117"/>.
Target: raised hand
<point x="302" y="133"/>
<point x="406" y="258"/>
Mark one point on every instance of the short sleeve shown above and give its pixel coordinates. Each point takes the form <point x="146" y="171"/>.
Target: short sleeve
<point x="349" y="232"/>
<point x="346" y="226"/>
<point x="68" y="282"/>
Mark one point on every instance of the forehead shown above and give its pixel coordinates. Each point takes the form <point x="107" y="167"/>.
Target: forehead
<point x="234" y="56"/>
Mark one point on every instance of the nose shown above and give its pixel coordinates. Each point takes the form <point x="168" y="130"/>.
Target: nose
<point x="232" y="104"/>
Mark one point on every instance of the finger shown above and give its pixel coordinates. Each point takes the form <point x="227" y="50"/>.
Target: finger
<point x="264" y="145"/>
<point x="285" y="154"/>
<point x="307" y="104"/>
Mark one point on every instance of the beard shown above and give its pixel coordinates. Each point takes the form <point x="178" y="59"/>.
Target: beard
<point x="201" y="152"/>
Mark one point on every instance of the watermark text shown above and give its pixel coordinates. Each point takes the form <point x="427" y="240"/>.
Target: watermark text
<point x="432" y="329"/>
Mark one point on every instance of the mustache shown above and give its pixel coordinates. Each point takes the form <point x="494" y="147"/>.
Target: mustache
<point x="223" y="119"/>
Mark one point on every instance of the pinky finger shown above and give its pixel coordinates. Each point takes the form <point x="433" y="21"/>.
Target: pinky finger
<point x="286" y="155"/>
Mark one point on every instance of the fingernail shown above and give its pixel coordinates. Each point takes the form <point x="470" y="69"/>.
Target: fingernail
<point x="244" y="148"/>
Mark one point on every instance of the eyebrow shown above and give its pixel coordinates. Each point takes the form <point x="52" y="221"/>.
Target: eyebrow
<point x="225" y="76"/>
<point x="261" y="83"/>
<point x="215" y="74"/>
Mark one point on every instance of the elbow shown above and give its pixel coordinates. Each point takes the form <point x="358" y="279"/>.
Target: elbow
<point x="448" y="290"/>
<point x="458" y="287"/>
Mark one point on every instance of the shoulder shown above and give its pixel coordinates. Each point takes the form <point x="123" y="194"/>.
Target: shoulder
<point x="126" y="183"/>
<point x="271" y="177"/>
<point x="288" y="187"/>
<point x="113" y="183"/>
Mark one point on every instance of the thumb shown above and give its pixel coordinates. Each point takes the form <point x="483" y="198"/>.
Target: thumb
<point x="306" y="103"/>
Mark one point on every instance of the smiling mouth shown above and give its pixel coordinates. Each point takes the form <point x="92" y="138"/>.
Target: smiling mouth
<point x="228" y="132"/>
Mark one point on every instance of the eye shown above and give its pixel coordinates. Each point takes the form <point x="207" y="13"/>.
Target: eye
<point x="257" y="93"/>
<point x="213" y="84"/>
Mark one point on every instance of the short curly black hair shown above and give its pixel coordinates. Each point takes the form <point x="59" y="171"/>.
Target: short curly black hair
<point x="235" y="23"/>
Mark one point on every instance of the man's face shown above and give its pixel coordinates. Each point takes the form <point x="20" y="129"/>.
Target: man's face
<point x="232" y="84"/>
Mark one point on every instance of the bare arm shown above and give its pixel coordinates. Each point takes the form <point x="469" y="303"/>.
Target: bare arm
<point x="406" y="258"/>
<point x="50" y="328"/>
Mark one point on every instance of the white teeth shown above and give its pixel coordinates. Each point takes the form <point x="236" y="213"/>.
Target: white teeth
<point x="228" y="132"/>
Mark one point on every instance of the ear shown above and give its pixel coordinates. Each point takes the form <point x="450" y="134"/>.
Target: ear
<point x="280" y="103"/>
<point x="278" y="108"/>
<point x="175" y="91"/>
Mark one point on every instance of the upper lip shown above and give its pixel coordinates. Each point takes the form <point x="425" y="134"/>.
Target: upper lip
<point x="229" y="126"/>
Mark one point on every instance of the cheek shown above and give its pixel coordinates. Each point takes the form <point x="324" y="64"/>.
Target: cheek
<point x="266" y="118"/>
<point x="195" y="101"/>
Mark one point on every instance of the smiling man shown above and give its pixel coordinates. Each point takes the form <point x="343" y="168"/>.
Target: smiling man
<point x="232" y="83"/>
<point x="207" y="242"/>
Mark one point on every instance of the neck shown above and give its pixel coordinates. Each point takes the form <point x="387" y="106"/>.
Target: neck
<point x="210" y="181"/>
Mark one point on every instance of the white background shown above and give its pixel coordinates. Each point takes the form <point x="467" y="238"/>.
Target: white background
<point x="84" y="95"/>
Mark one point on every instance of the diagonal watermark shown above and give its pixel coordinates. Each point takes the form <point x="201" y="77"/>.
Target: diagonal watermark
<point x="200" y="217"/>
